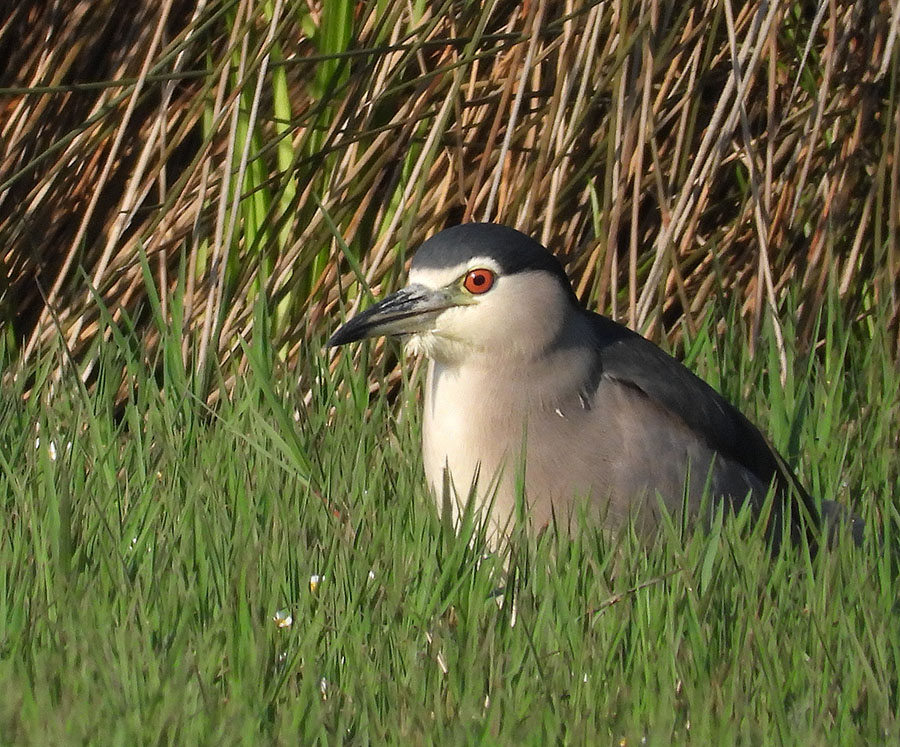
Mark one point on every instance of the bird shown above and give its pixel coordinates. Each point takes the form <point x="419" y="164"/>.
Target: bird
<point x="531" y="397"/>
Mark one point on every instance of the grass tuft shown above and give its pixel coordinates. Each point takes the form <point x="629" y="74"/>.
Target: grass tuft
<point x="272" y="569"/>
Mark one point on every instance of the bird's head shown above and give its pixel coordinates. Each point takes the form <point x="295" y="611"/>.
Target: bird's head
<point x="475" y="289"/>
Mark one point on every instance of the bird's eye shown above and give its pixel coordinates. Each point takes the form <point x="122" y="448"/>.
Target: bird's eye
<point x="478" y="281"/>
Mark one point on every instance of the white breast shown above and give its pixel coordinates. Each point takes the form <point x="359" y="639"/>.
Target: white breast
<point x="459" y="434"/>
<point x="475" y="425"/>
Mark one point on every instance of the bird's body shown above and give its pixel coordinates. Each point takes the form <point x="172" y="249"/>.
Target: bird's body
<point x="480" y="429"/>
<point x="526" y="389"/>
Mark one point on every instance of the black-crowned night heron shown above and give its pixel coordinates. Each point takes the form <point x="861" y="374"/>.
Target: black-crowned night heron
<point x="526" y="388"/>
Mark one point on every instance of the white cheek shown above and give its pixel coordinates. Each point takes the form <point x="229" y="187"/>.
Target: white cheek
<point x="449" y="340"/>
<point x="484" y="321"/>
<point x="452" y="321"/>
<point x="471" y="327"/>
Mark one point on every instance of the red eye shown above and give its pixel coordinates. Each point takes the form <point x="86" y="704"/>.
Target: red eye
<point x="478" y="281"/>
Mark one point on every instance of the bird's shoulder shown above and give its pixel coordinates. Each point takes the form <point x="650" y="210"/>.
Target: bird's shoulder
<point x="627" y="359"/>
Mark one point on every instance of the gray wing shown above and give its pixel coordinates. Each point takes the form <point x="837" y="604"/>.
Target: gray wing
<point x="635" y="362"/>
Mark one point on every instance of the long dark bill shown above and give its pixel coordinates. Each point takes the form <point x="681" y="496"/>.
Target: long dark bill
<point x="409" y="310"/>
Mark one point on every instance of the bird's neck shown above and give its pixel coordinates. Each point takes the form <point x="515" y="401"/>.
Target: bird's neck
<point x="519" y="377"/>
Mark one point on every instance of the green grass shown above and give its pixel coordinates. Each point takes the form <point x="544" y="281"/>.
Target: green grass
<point x="141" y="568"/>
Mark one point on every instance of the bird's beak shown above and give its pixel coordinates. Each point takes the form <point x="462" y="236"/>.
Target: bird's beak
<point x="408" y="311"/>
